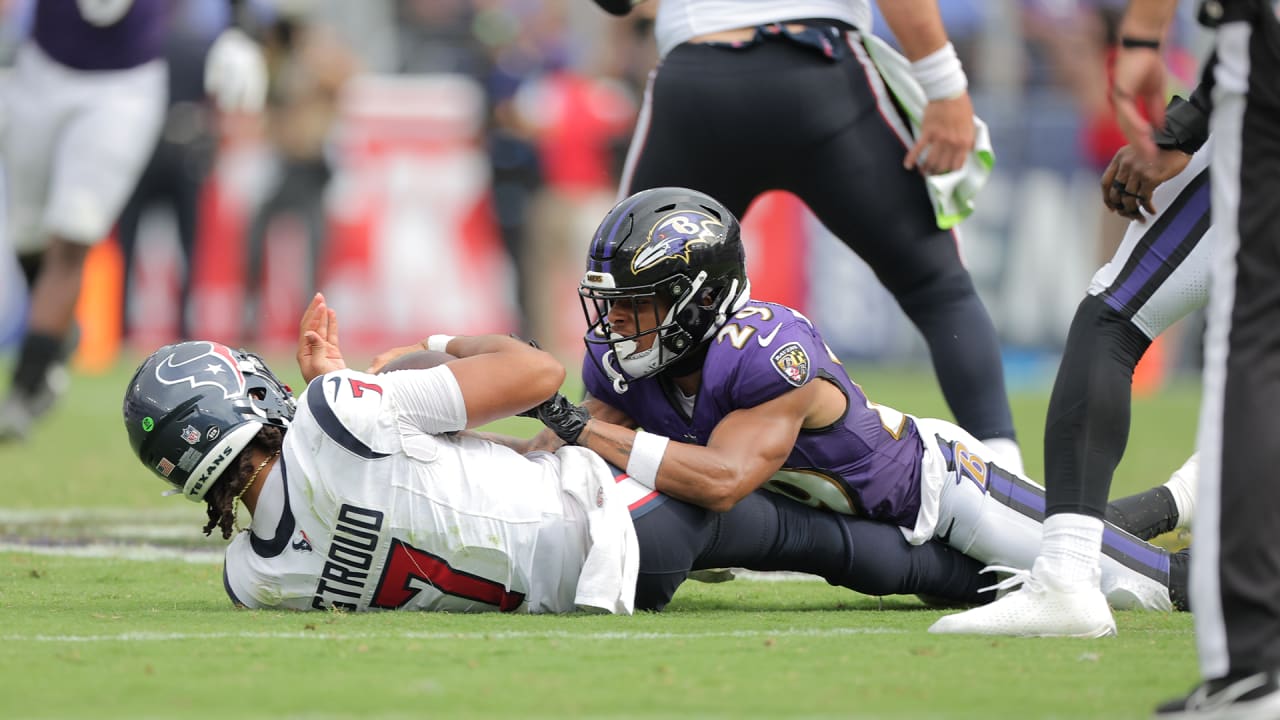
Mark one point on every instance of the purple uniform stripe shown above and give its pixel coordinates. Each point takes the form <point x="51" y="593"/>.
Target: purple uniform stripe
<point x="1028" y="499"/>
<point x="1161" y="253"/>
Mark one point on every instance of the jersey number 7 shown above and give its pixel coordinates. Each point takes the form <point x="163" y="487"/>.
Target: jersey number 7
<point x="406" y="563"/>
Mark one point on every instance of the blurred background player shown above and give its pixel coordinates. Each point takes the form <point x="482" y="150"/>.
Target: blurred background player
<point x="174" y="177"/>
<point x="307" y="68"/>
<point x="85" y="105"/>
<point x="751" y="96"/>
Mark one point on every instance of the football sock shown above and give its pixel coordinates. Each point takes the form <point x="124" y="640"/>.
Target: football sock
<point x="39" y="352"/>
<point x="1145" y="515"/>
<point x="1009" y="456"/>
<point x="1182" y="486"/>
<point x="1071" y="549"/>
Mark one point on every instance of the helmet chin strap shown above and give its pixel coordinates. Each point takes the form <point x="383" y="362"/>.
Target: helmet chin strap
<point x="733" y="302"/>
<point x="614" y="374"/>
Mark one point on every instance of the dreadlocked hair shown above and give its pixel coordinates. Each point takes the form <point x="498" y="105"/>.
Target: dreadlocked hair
<point x="220" y="501"/>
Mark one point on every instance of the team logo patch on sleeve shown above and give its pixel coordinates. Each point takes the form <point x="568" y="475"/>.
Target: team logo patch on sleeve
<point x="792" y="363"/>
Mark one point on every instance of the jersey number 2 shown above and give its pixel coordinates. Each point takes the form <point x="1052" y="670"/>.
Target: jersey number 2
<point x="406" y="563"/>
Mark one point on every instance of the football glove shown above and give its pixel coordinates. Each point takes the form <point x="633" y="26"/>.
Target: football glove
<point x="565" y="419"/>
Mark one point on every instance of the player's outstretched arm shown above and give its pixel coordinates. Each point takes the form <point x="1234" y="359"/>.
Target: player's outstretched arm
<point x="499" y="376"/>
<point x="746" y="448"/>
<point x="547" y="439"/>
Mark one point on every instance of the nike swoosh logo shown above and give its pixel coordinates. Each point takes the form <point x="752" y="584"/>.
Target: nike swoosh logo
<point x="765" y="340"/>
<point x="945" y="538"/>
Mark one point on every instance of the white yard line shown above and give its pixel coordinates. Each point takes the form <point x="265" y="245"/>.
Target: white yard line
<point x="146" y="553"/>
<point x="130" y="637"/>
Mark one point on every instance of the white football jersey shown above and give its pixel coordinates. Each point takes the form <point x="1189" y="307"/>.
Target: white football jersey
<point x="366" y="511"/>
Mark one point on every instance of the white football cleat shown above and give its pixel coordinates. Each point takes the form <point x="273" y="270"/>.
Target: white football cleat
<point x="1037" y="608"/>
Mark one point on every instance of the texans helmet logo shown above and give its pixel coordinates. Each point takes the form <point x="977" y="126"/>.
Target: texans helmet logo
<point x="675" y="236"/>
<point x="215" y="367"/>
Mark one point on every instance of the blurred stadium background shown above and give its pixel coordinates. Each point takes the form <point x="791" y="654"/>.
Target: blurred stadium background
<point x="461" y="152"/>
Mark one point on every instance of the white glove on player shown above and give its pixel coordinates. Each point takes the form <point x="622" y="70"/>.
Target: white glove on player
<point x="235" y="73"/>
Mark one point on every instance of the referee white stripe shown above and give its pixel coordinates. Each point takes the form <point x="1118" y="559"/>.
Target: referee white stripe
<point x="1227" y="126"/>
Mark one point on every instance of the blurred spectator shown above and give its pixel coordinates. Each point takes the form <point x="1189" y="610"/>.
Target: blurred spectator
<point x="554" y="141"/>
<point x="308" y="67"/>
<point x="175" y="174"/>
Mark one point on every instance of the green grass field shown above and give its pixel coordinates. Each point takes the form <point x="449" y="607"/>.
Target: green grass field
<point x="111" y="606"/>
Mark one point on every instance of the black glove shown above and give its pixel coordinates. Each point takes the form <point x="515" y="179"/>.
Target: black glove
<point x="563" y="417"/>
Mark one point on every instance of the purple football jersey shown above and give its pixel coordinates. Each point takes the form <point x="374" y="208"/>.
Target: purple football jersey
<point x="101" y="34"/>
<point x="869" y="459"/>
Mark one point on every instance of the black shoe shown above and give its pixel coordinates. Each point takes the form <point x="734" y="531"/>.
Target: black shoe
<point x="1235" y="697"/>
<point x="22" y="408"/>
<point x="16" y="418"/>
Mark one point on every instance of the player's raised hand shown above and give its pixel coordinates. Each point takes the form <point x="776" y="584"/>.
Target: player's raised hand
<point x="946" y="136"/>
<point x="318" y="348"/>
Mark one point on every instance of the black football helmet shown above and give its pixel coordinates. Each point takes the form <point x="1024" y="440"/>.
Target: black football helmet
<point x="193" y="406"/>
<point x="679" y="247"/>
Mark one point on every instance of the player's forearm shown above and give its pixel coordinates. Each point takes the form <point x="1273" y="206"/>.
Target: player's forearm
<point x="699" y="475"/>
<point x="917" y="25"/>
<point x="472" y="345"/>
<point x="1147" y="19"/>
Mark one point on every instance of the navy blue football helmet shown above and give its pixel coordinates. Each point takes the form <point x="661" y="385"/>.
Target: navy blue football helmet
<point x="677" y="247"/>
<point x="193" y="406"/>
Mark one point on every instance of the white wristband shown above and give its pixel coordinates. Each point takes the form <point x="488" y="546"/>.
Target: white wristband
<point x="438" y="343"/>
<point x="646" y="455"/>
<point x="940" y="74"/>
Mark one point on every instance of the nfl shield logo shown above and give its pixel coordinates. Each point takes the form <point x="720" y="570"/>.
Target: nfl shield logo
<point x="191" y="435"/>
<point x="792" y="363"/>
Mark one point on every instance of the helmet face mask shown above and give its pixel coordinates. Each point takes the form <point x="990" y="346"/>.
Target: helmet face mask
<point x="671" y="262"/>
<point x="191" y="407"/>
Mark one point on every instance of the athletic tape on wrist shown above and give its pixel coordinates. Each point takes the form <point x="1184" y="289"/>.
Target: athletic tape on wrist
<point x="646" y="455"/>
<point x="940" y="74"/>
<point x="438" y="343"/>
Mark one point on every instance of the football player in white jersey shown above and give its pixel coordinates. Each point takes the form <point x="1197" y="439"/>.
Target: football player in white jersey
<point x="367" y="493"/>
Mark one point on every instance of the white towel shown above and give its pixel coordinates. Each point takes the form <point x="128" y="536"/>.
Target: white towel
<point x="952" y="193"/>
<point x="608" y="578"/>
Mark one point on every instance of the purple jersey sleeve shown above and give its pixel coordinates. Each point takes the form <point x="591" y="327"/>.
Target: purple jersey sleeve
<point x="761" y="356"/>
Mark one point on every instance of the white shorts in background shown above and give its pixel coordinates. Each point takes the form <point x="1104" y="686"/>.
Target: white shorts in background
<point x="74" y="144"/>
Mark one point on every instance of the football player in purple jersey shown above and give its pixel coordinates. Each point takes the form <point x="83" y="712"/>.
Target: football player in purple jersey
<point x="84" y="107"/>
<point x="736" y="394"/>
<point x="874" y="142"/>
